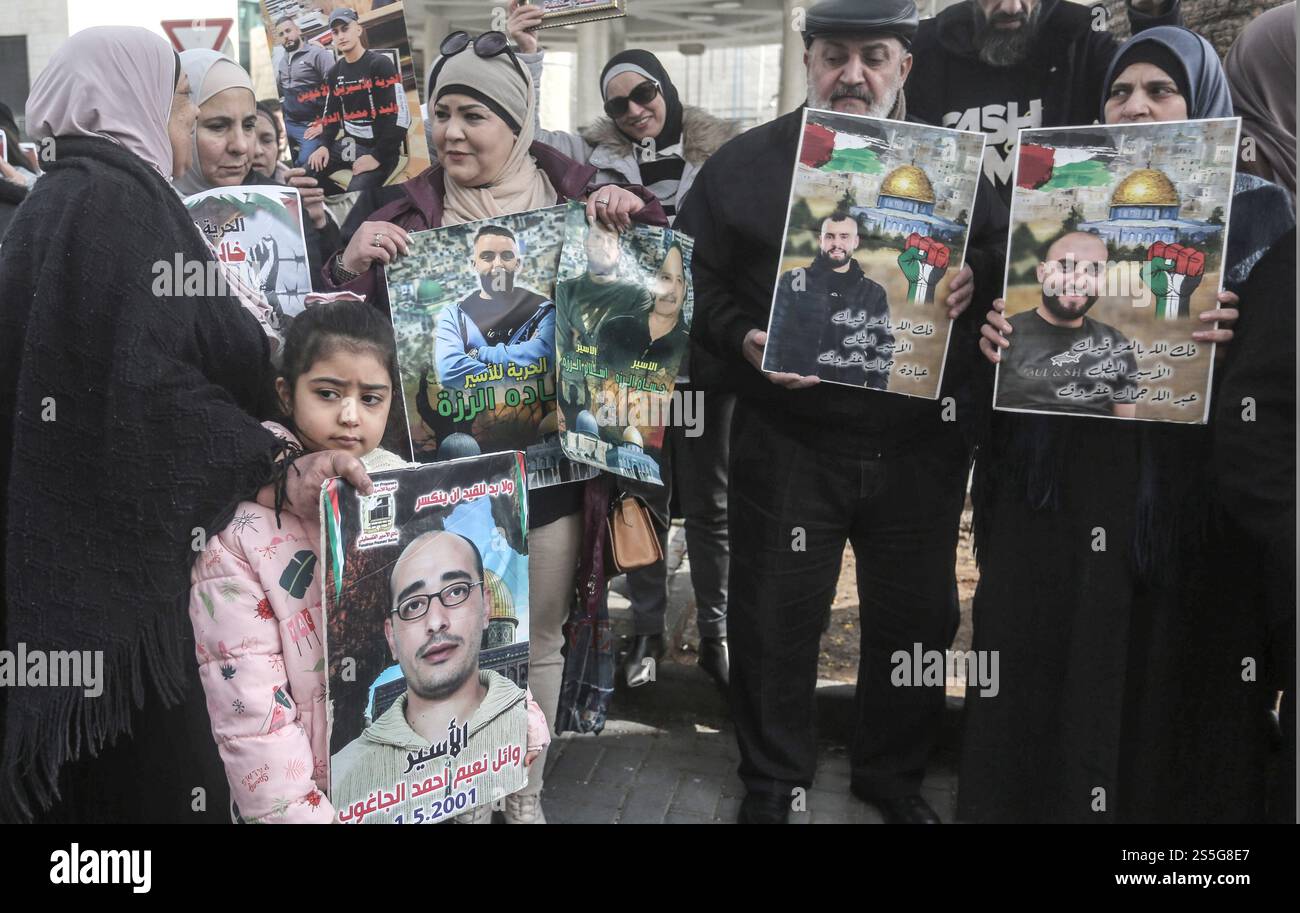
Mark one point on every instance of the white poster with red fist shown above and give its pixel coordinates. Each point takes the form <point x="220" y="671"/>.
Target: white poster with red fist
<point x="1117" y="244"/>
<point x="876" y="231"/>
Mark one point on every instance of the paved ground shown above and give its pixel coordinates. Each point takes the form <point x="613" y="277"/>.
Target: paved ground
<point x="668" y="753"/>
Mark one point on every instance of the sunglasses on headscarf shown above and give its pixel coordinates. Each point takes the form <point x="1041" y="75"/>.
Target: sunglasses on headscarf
<point x="643" y="94"/>
<point x="487" y="46"/>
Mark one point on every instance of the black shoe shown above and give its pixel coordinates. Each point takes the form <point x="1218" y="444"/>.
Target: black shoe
<point x="763" y="808"/>
<point x="902" y="809"/>
<point x="715" y="660"/>
<point x="640" y="662"/>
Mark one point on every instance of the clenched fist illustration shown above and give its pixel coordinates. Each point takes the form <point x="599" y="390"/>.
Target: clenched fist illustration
<point x="1173" y="272"/>
<point x="923" y="261"/>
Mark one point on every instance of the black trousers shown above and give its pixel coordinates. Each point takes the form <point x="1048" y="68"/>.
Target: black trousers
<point x="795" y="499"/>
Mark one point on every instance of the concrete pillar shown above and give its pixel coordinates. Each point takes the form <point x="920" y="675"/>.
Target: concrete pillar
<point x="794" y="82"/>
<point x="595" y="42"/>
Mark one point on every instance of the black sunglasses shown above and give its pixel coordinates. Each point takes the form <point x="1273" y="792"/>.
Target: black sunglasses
<point x="487" y="45"/>
<point x="642" y="95"/>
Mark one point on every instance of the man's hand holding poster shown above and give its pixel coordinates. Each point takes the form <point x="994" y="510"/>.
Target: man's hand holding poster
<point x="1117" y="242"/>
<point x="876" y="232"/>
<point x="426" y="609"/>
<point x="623" y="317"/>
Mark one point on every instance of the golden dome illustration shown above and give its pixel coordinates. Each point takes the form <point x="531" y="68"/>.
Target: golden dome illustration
<point x="632" y="436"/>
<point x="1145" y="187"/>
<point x="908" y="182"/>
<point x="500" y="599"/>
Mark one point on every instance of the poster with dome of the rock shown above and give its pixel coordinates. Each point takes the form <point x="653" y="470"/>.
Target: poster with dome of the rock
<point x="425" y="588"/>
<point x="876" y="231"/>
<point x="474" y="322"/>
<point x="1117" y="245"/>
<point x="623" y="306"/>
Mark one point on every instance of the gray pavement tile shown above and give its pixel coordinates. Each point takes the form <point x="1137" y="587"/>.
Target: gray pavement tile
<point x="646" y="804"/>
<point x="697" y="795"/>
<point x="728" y="808"/>
<point x="579" y="813"/>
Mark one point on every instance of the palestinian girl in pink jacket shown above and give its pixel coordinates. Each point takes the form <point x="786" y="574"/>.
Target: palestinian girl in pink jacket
<point x="255" y="598"/>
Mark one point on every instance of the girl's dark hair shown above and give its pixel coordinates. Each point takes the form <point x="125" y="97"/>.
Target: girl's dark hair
<point x="330" y="326"/>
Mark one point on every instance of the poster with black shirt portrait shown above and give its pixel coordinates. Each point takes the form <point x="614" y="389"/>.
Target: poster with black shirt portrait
<point x="474" y="321"/>
<point x="1117" y="242"/>
<point x="623" y="320"/>
<point x="876" y="231"/>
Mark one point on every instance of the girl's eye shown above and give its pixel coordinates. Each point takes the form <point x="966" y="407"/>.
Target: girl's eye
<point x="373" y="399"/>
<point x="326" y="394"/>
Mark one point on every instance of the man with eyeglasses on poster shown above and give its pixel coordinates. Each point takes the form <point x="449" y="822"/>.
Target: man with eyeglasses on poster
<point x="498" y="323"/>
<point x="437" y="613"/>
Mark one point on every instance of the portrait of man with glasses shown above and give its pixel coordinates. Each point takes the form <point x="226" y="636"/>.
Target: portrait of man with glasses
<point x="453" y="716"/>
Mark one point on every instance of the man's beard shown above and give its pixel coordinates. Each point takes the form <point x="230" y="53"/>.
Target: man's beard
<point x="293" y="45"/>
<point x="875" y="108"/>
<point x="493" y="285"/>
<point x="1002" y="48"/>
<point x="828" y="260"/>
<point x="1060" y="312"/>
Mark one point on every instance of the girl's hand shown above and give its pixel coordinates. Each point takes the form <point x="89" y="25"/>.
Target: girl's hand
<point x="994" y="333"/>
<point x="1226" y="316"/>
<point x="523" y="18"/>
<point x="374" y="241"/>
<point x="532" y="755"/>
<point x="613" y="207"/>
<point x="313" y="196"/>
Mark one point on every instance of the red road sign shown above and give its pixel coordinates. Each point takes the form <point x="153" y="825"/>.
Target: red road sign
<point x="197" y="33"/>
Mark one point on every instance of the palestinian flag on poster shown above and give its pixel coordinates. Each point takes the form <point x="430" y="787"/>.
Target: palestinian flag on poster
<point x="1047" y="167"/>
<point x="831" y="150"/>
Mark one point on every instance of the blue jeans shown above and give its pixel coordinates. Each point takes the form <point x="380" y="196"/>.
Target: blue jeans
<point x="305" y="146"/>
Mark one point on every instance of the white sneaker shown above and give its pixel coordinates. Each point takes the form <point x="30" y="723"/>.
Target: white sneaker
<point x="480" y="814"/>
<point x="522" y="809"/>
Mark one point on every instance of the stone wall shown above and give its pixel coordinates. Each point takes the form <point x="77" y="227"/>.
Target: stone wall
<point x="1221" y="21"/>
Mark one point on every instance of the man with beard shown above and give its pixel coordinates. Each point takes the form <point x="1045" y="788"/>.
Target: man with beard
<point x="585" y="303"/>
<point x="497" y="324"/>
<point x="1056" y="346"/>
<point x="437" y="614"/>
<point x="815" y="465"/>
<point x="808" y="297"/>
<point x="300" y="82"/>
<point x="997" y="66"/>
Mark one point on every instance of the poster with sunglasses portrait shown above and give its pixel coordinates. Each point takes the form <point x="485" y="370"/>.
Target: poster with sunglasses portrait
<point x="426" y="613"/>
<point x="571" y="12"/>
<point x="623" y="320"/>
<point x="258" y="231"/>
<point x="366" y="109"/>
<point x="1117" y="244"/>
<point x="474" y="319"/>
<point x="876" y="230"/>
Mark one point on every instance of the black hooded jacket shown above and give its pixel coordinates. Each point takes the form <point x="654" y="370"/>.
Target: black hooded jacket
<point x="1059" y="84"/>
<point x="736" y="213"/>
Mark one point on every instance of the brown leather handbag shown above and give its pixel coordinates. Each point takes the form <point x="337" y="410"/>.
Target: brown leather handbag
<point x="631" y="541"/>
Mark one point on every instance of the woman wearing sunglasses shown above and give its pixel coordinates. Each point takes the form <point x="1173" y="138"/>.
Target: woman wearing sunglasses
<point x="480" y="122"/>
<point x="648" y="136"/>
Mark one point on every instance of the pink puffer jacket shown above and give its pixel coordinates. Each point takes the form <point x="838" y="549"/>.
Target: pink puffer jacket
<point x="255" y="605"/>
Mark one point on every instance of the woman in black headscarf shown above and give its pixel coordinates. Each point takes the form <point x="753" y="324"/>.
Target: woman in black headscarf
<point x="1127" y="689"/>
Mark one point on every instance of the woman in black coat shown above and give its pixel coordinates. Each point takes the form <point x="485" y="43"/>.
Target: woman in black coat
<point x="131" y="383"/>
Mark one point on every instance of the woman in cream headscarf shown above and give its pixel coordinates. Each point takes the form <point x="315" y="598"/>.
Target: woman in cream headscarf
<point x="480" y="123"/>
<point x="158" y="382"/>
<point x="224" y="143"/>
